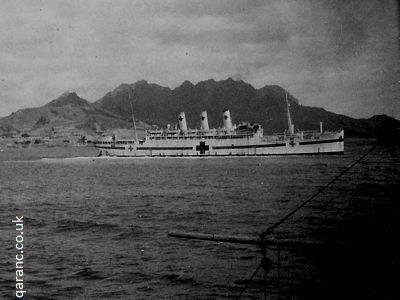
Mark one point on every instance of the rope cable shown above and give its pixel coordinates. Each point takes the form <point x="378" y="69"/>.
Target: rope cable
<point x="248" y="282"/>
<point x="270" y="229"/>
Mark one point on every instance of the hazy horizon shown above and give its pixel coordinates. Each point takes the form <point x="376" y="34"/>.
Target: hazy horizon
<point x="342" y="56"/>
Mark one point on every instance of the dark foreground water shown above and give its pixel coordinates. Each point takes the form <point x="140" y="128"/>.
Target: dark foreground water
<point x="96" y="228"/>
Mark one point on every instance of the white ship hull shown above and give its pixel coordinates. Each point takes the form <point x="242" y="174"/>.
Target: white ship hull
<point x="227" y="145"/>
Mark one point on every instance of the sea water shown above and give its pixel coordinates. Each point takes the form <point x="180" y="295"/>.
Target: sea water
<point x="96" y="228"/>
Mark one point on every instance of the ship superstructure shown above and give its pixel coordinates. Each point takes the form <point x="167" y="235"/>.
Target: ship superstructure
<point x="244" y="139"/>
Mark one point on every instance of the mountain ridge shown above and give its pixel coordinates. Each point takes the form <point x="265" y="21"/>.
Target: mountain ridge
<point x="266" y="105"/>
<point x="157" y="105"/>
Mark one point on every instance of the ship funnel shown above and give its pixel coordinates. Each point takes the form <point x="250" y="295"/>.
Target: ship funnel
<point x="182" y="121"/>
<point x="227" y="120"/>
<point x="204" y="121"/>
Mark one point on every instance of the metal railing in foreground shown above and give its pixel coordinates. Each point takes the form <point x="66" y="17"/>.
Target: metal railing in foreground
<point x="265" y="239"/>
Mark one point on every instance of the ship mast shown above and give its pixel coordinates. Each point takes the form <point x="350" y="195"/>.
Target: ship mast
<point x="133" y="117"/>
<point x="289" y="119"/>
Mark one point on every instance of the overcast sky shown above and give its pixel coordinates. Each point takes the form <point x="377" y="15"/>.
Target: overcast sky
<point x="340" y="55"/>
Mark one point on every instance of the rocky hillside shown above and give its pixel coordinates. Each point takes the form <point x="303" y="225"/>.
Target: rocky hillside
<point x="68" y="114"/>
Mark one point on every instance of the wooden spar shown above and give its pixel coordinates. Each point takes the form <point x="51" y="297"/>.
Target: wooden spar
<point x="289" y="119"/>
<point x="216" y="237"/>
<point x="133" y="117"/>
<point x="241" y="239"/>
<point x="134" y="124"/>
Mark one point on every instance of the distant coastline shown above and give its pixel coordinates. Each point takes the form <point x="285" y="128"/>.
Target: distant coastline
<point x="71" y="119"/>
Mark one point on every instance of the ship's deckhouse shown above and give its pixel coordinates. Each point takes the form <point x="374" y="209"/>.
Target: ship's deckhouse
<point x="244" y="139"/>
